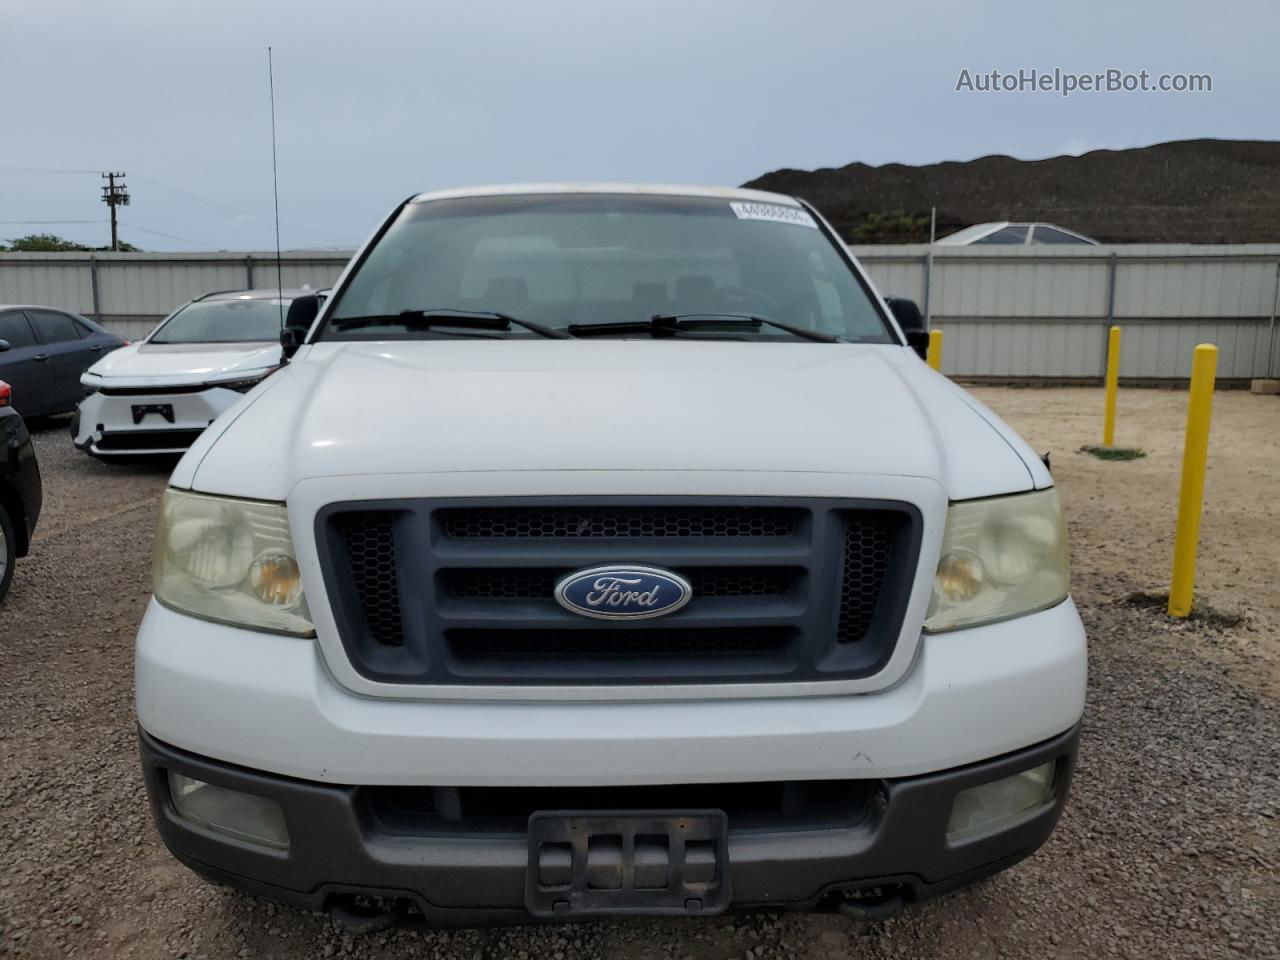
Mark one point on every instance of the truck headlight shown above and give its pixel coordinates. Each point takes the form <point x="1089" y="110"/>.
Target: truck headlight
<point x="1001" y="557"/>
<point x="229" y="560"/>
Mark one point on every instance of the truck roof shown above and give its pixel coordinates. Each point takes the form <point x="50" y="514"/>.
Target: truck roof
<point x="656" y="189"/>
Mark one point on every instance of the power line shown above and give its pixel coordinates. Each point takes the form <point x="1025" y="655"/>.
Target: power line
<point x="184" y="196"/>
<point x="214" y="206"/>
<point x="168" y="236"/>
<point x="194" y="199"/>
<point x="131" y="226"/>
<point x="55" y="170"/>
<point x="42" y="222"/>
<point x="176" y="193"/>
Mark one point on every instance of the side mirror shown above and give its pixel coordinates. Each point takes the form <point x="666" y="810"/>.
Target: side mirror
<point x="290" y="341"/>
<point x="302" y="313"/>
<point x="4" y="345"/>
<point x="911" y="320"/>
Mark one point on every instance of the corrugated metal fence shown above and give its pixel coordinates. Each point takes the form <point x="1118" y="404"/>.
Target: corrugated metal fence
<point x="130" y="292"/>
<point x="1010" y="312"/>
<point x="1007" y="312"/>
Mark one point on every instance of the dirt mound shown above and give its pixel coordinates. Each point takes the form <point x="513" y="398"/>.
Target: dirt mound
<point x="1187" y="191"/>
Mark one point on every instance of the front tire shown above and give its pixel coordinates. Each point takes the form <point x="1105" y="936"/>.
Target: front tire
<point x="8" y="551"/>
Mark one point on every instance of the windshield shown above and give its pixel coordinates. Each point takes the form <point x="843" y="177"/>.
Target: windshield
<point x="224" y="321"/>
<point x="586" y="259"/>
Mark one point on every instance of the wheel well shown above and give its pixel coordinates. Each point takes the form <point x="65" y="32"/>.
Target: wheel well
<point x="12" y="504"/>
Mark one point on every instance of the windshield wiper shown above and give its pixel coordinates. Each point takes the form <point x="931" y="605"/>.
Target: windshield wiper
<point x="690" y="321"/>
<point x="669" y="325"/>
<point x="448" y="317"/>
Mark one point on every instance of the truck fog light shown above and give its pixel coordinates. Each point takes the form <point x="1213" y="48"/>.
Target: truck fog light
<point x="994" y="805"/>
<point x="229" y="812"/>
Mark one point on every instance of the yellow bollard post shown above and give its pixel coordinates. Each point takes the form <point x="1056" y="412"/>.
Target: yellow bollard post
<point x="935" y="349"/>
<point x="1113" y="382"/>
<point x="1190" y="501"/>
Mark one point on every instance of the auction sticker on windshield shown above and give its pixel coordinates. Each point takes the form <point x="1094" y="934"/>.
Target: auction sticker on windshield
<point x="777" y="212"/>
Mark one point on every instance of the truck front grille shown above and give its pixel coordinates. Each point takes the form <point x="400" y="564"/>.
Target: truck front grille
<point x="616" y="522"/>
<point x="523" y="583"/>
<point x="371" y="550"/>
<point x="505" y="811"/>
<point x="868" y="553"/>
<point x="456" y="592"/>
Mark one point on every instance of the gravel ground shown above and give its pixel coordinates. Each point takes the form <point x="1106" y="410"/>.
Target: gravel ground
<point x="1168" y="847"/>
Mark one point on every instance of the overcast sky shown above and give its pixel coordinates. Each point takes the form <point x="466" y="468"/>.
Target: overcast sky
<point x="378" y="99"/>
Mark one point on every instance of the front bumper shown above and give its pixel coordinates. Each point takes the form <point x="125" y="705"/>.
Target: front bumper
<point x="106" y="425"/>
<point x="338" y="849"/>
<point x="970" y="695"/>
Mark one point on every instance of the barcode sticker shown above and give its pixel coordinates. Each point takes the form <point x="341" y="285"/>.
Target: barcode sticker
<point x="777" y="212"/>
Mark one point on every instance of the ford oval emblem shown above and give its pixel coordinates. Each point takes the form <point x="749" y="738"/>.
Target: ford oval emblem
<point x="623" y="593"/>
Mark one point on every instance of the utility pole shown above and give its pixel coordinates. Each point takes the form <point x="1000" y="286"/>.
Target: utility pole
<point x="115" y="195"/>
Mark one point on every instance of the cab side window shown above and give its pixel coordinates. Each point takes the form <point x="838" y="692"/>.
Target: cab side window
<point x="55" y="327"/>
<point x="15" y="329"/>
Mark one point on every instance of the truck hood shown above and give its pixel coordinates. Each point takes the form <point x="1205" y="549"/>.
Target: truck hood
<point x="170" y="364"/>
<point x="416" y="407"/>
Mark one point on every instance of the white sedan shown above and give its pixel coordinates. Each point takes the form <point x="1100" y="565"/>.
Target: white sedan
<point x="158" y="395"/>
<point x="1015" y="234"/>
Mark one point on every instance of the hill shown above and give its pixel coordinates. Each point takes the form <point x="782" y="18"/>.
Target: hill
<point x="1186" y="191"/>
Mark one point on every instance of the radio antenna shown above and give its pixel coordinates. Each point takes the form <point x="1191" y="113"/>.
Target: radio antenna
<point x="275" y="187"/>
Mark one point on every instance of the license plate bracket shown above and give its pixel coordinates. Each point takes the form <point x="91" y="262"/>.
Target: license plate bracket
<point x="656" y="863"/>
<point x="162" y="410"/>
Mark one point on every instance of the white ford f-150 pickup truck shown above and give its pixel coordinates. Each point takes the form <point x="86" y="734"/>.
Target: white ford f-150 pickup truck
<point x="606" y="550"/>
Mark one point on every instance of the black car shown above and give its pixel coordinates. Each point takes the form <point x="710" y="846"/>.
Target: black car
<point x="43" y="351"/>
<point x="20" y="489"/>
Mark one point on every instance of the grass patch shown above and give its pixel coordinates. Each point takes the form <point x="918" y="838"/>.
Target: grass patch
<point x="1115" y="453"/>
<point x="1200" y="613"/>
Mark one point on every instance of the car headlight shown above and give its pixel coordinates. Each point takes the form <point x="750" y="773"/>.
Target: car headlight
<point x="248" y="383"/>
<point x="229" y="560"/>
<point x="1001" y="557"/>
